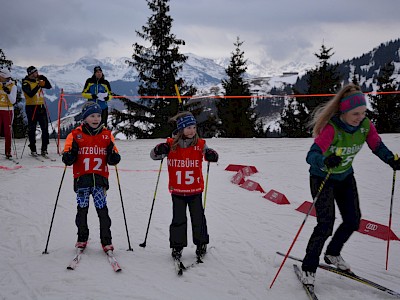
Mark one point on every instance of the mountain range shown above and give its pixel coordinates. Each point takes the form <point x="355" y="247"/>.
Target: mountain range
<point x="204" y="73"/>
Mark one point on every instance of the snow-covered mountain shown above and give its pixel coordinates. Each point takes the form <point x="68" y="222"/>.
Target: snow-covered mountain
<point x="206" y="74"/>
<point x="203" y="73"/>
<point x="200" y="71"/>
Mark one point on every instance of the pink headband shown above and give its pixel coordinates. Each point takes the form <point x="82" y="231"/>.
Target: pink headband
<point x="351" y="102"/>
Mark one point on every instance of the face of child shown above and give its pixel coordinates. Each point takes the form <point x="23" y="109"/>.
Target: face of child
<point x="190" y="131"/>
<point x="93" y="120"/>
<point x="355" y="116"/>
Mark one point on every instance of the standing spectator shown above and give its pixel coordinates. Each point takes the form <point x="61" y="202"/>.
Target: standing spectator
<point x="98" y="89"/>
<point x="35" y="108"/>
<point x="8" y="96"/>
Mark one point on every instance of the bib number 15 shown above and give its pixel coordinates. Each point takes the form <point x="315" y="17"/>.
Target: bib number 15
<point x="188" y="177"/>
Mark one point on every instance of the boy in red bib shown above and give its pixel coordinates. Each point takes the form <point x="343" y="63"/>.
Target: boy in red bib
<point x="184" y="152"/>
<point x="89" y="148"/>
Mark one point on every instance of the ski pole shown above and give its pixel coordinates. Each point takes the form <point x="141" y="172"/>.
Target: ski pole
<point x="27" y="129"/>
<point x="179" y="97"/>
<point x="302" y="224"/>
<point x="51" y="124"/>
<point x="396" y="157"/>
<point x="54" y="211"/>
<point x="152" y="205"/>
<point x="123" y="210"/>
<point x="205" y="189"/>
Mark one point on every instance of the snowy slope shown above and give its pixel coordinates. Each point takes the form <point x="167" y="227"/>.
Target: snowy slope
<point x="245" y="229"/>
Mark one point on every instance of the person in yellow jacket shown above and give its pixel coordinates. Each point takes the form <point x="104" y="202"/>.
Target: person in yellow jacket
<point x="8" y="96"/>
<point x="35" y="108"/>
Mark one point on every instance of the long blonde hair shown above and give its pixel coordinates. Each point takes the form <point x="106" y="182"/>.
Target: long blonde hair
<point x="323" y="113"/>
<point x="179" y="134"/>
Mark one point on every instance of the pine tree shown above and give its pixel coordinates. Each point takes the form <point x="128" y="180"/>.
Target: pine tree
<point x="324" y="79"/>
<point x="238" y="119"/>
<point x="4" y="62"/>
<point x="158" y="65"/>
<point x="386" y="107"/>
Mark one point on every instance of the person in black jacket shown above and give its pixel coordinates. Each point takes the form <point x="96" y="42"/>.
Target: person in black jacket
<point x="98" y="89"/>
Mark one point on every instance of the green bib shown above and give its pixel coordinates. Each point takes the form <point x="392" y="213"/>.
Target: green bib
<point x="349" y="144"/>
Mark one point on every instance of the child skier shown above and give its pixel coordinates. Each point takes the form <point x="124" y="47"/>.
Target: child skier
<point x="339" y="124"/>
<point x="89" y="148"/>
<point x="184" y="153"/>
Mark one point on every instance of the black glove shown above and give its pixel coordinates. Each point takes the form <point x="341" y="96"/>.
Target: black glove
<point x="6" y="89"/>
<point x="395" y="164"/>
<point x="211" y="155"/>
<point x="94" y="96"/>
<point x="113" y="157"/>
<point x="161" y="149"/>
<point x="107" y="98"/>
<point x="332" y="161"/>
<point x="70" y="156"/>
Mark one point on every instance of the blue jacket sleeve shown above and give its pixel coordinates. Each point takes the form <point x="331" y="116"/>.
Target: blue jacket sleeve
<point x="315" y="156"/>
<point x="383" y="152"/>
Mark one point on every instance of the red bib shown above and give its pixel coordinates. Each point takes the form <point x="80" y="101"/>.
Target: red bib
<point x="185" y="169"/>
<point x="92" y="155"/>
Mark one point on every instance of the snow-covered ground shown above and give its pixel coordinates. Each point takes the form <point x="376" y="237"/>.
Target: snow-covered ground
<point x="245" y="229"/>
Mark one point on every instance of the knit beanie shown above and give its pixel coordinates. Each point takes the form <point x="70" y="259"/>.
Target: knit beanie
<point x="31" y="70"/>
<point x="350" y="102"/>
<point x="185" y="121"/>
<point x="97" y="68"/>
<point x="89" y="108"/>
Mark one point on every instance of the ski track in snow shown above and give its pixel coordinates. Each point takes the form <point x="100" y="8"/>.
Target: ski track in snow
<point x="245" y="229"/>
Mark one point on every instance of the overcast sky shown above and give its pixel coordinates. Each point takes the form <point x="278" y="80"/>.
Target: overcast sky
<point x="44" y="32"/>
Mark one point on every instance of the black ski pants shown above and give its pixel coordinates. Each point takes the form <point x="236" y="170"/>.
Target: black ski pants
<point x="178" y="227"/>
<point x="83" y="229"/>
<point x="37" y="114"/>
<point x="346" y="196"/>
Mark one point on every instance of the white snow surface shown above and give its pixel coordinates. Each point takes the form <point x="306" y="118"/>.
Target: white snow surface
<point x="245" y="229"/>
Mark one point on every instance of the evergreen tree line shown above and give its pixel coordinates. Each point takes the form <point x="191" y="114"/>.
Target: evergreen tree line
<point x="159" y="62"/>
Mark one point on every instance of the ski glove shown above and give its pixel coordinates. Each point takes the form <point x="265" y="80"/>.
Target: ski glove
<point x="6" y="89"/>
<point x="332" y="161"/>
<point x="113" y="158"/>
<point x="211" y="155"/>
<point x="394" y="163"/>
<point x="161" y="149"/>
<point x="94" y="96"/>
<point x="70" y="156"/>
<point x="102" y="96"/>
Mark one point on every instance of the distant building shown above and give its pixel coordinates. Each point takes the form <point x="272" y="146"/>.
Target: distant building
<point x="285" y="74"/>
